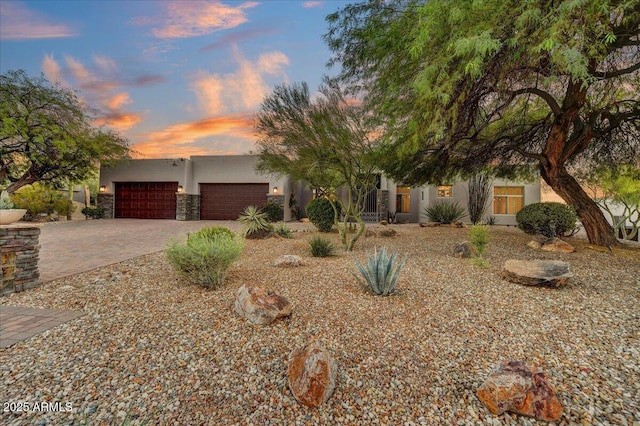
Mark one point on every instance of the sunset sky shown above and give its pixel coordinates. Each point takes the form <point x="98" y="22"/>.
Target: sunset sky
<point x="177" y="78"/>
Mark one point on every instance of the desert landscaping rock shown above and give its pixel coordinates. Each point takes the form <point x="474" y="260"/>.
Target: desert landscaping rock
<point x="557" y="245"/>
<point x="168" y="353"/>
<point x="311" y="373"/>
<point x="547" y="273"/>
<point x="536" y="245"/>
<point x="260" y="306"/>
<point x="465" y="250"/>
<point x="288" y="260"/>
<point x="521" y="388"/>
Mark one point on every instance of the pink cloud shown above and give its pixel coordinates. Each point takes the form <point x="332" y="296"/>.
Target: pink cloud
<point x="236" y="37"/>
<point x="179" y="140"/>
<point x="100" y="88"/>
<point x="244" y="89"/>
<point x="19" y="23"/>
<point x="311" y="4"/>
<point x="196" y="18"/>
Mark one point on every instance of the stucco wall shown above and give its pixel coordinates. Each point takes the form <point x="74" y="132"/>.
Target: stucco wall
<point x="164" y="170"/>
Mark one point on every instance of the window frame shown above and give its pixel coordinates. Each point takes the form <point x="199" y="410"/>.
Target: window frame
<point x="444" y="196"/>
<point x="507" y="197"/>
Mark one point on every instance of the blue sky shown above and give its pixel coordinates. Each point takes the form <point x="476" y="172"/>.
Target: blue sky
<point x="177" y="78"/>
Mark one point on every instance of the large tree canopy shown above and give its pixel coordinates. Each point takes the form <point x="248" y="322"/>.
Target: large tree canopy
<point x="46" y="134"/>
<point x="506" y="83"/>
<point x="323" y="141"/>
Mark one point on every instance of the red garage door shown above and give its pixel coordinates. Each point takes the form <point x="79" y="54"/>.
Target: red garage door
<point x="146" y="200"/>
<point x="225" y="201"/>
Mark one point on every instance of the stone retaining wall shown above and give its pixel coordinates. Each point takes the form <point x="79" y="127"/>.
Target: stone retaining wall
<point x="20" y="247"/>
<point x="106" y="202"/>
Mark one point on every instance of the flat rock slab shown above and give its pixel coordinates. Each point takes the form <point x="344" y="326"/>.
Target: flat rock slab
<point x="288" y="260"/>
<point x="547" y="273"/>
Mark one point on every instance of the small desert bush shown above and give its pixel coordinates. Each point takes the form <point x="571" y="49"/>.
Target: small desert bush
<point x="38" y="199"/>
<point x="479" y="238"/>
<point x="282" y="230"/>
<point x="321" y="247"/>
<point x="380" y="272"/>
<point x="255" y="223"/>
<point x="444" y="212"/>
<point x="273" y="210"/>
<point x="203" y="259"/>
<point x="93" y="212"/>
<point x="549" y="219"/>
<point x="213" y="232"/>
<point x="321" y="213"/>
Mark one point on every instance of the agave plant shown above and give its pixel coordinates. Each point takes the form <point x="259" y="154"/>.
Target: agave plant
<point x="380" y="272"/>
<point x="255" y="223"/>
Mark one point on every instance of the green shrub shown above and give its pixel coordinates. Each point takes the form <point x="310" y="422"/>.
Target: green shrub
<point x="321" y="214"/>
<point x="444" y="212"/>
<point x="213" y="232"/>
<point x="380" y="272"/>
<point x="549" y="219"/>
<point x="204" y="260"/>
<point x="490" y="220"/>
<point x="255" y="223"/>
<point x="41" y="199"/>
<point x="282" y="230"/>
<point x="479" y="237"/>
<point x="273" y="210"/>
<point x="296" y="211"/>
<point x="5" y="201"/>
<point x="93" y="212"/>
<point x="321" y="247"/>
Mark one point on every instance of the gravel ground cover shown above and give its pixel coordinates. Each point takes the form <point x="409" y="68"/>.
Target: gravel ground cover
<point x="153" y="350"/>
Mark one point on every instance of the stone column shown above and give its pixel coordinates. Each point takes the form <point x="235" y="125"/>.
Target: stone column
<point x="106" y="202"/>
<point x="20" y="246"/>
<point x="187" y="206"/>
<point x="383" y="208"/>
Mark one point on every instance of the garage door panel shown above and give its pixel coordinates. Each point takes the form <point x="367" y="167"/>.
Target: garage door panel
<point x="225" y="201"/>
<point x="146" y="200"/>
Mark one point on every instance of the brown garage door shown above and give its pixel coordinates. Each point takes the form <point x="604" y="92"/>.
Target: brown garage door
<point x="225" y="201"/>
<point x="146" y="200"/>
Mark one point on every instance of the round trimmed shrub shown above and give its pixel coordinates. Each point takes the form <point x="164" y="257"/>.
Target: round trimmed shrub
<point x="321" y="213"/>
<point x="213" y="232"/>
<point x="549" y="219"/>
<point x="274" y="211"/>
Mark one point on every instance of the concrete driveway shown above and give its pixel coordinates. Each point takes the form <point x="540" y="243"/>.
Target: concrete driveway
<point x="69" y="248"/>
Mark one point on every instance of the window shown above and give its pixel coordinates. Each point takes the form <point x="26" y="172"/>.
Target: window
<point x="445" y="191"/>
<point x="507" y="199"/>
<point x="403" y="199"/>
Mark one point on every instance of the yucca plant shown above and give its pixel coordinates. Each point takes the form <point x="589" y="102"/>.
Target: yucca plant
<point x="282" y="230"/>
<point x="321" y="247"/>
<point x="380" y="272"/>
<point x="445" y="212"/>
<point x="255" y="223"/>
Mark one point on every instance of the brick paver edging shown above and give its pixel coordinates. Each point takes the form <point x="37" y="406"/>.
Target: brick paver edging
<point x="18" y="323"/>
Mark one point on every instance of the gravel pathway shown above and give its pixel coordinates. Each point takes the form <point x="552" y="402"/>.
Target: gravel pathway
<point x="152" y="350"/>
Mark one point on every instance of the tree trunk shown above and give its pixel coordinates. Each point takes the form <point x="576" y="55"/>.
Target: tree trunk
<point x="595" y="224"/>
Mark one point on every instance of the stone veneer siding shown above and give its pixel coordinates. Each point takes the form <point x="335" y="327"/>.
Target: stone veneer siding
<point x="383" y="209"/>
<point x="273" y="198"/>
<point x="106" y="202"/>
<point x="188" y="207"/>
<point x="20" y="247"/>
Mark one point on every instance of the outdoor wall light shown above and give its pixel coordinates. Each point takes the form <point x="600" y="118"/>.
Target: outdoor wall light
<point x="103" y="188"/>
<point x="180" y="188"/>
<point x="275" y="189"/>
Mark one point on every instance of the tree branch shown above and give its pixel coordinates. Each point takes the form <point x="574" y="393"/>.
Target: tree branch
<point x="546" y="96"/>
<point x="604" y="75"/>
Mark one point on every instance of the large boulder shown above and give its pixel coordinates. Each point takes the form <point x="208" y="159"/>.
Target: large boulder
<point x="465" y="250"/>
<point x="260" y="306"/>
<point x="557" y="245"/>
<point x="520" y="387"/>
<point x="288" y="260"/>
<point x="312" y="374"/>
<point x="550" y="273"/>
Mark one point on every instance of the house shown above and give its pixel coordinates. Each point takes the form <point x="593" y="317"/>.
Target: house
<point x="220" y="187"/>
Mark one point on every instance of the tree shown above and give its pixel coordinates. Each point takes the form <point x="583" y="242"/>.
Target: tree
<point x="46" y="134"/>
<point x="324" y="141"/>
<point x="510" y="84"/>
<point x="617" y="192"/>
